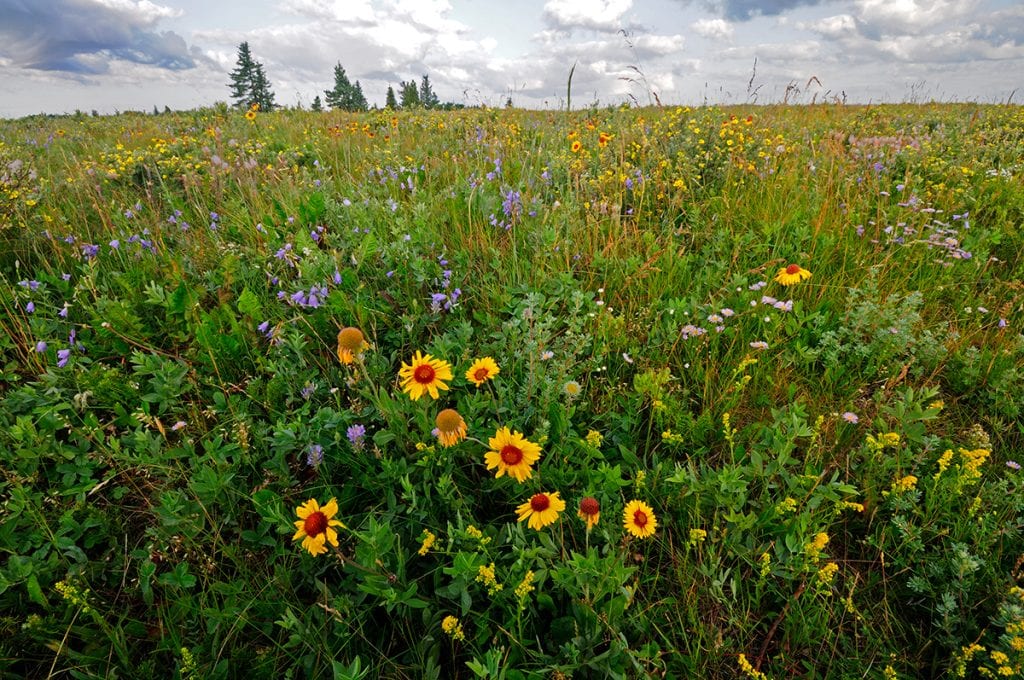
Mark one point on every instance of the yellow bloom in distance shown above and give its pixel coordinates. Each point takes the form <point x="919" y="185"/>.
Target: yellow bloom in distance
<point x="424" y="375"/>
<point x="316" y="526"/>
<point x="351" y="343"/>
<point x="541" y="510"/>
<point x="794" y="273"/>
<point x="511" y="454"/>
<point x="451" y="428"/>
<point x="482" y="370"/>
<point x="638" y="519"/>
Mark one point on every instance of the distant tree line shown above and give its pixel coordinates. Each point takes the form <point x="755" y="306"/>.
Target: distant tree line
<point x="250" y="87"/>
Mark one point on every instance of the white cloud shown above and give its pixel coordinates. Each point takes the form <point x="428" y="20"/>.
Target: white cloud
<point x="715" y="29"/>
<point x="598" y="15"/>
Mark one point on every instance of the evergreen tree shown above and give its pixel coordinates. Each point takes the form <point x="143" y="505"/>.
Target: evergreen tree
<point x="340" y="96"/>
<point x="428" y="99"/>
<point x="358" y="99"/>
<point x="390" y="102"/>
<point x="261" y="92"/>
<point x="317" y="104"/>
<point x="241" y="77"/>
<point x="410" y="94"/>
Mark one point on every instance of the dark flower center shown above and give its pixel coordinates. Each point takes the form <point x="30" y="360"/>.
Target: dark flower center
<point x="511" y="455"/>
<point x="481" y="374"/>
<point x="424" y="374"/>
<point x="589" y="506"/>
<point x="793" y="269"/>
<point x="540" y="502"/>
<point x="315" y="524"/>
<point x="640" y="518"/>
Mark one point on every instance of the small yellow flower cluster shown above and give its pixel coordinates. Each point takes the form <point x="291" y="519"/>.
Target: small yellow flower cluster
<point x="188" y="664"/>
<point x="904" y="484"/>
<point x="944" y="460"/>
<point x="670" y="437"/>
<point x="889" y="673"/>
<point x="786" y="505"/>
<point x="827" y="573"/>
<point x="970" y="464"/>
<point x="475" y="533"/>
<point x="883" y="441"/>
<point x="524" y="588"/>
<point x="487" y="576"/>
<point x="595" y="438"/>
<point x="697" y="536"/>
<point x="75" y="595"/>
<point x="849" y="505"/>
<point x="964" y="657"/>
<point x="428" y="542"/>
<point x="815" y="547"/>
<point x="749" y="670"/>
<point x="766" y="566"/>
<point x="453" y="628"/>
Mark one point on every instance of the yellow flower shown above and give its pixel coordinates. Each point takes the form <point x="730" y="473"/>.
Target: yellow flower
<point x="818" y="544"/>
<point x="488" y="576"/>
<point x="908" y="483"/>
<point x="576" y="146"/>
<point x="589" y="512"/>
<point x="638" y="519"/>
<point x="827" y="573"/>
<point x="794" y="273"/>
<point x="451" y="428"/>
<point x="452" y="627"/>
<point x="511" y="454"/>
<point x="424" y="375"/>
<point x="541" y="510"/>
<point x="351" y="344"/>
<point x="572" y="389"/>
<point x="748" y="669"/>
<point x="428" y="542"/>
<point x="316" y="526"/>
<point x="525" y="587"/>
<point x="482" y="370"/>
<point x="697" y="536"/>
<point x="250" y="115"/>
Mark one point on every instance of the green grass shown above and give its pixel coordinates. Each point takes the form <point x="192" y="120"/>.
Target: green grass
<point x="831" y="464"/>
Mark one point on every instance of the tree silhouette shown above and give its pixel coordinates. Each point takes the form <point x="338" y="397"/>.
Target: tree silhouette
<point x="390" y="102"/>
<point x="249" y="84"/>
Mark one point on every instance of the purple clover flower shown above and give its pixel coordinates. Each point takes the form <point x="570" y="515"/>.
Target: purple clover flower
<point x="356" y="436"/>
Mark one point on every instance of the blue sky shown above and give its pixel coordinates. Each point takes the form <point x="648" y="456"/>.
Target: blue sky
<point x="60" y="55"/>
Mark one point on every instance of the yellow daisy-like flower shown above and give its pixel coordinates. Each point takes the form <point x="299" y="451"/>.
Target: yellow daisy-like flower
<point x="638" y="519"/>
<point x="351" y="343"/>
<point x="424" y="375"/>
<point x="316" y="526"/>
<point x="482" y="370"/>
<point x="451" y="428"/>
<point x="541" y="510"/>
<point x="576" y="146"/>
<point x="794" y="273"/>
<point x="511" y="454"/>
<point x="589" y="512"/>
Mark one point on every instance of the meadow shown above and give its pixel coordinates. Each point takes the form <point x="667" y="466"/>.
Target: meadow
<point x="613" y="393"/>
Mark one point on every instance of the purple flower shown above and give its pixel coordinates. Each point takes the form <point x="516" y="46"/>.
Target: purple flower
<point x="356" y="435"/>
<point x="314" y="455"/>
<point x="63" y="313"/>
<point x="62" y="357"/>
<point x="90" y="250"/>
<point x="850" y="417"/>
<point x="115" y="244"/>
<point x="308" y="391"/>
<point x="41" y="347"/>
<point x="30" y="307"/>
<point x="1013" y="465"/>
<point x="759" y="344"/>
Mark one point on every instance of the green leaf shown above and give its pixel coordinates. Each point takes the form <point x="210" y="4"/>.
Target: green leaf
<point x="249" y="304"/>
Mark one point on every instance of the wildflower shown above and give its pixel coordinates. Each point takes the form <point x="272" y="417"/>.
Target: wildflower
<point x="786" y="505"/>
<point x="453" y="628"/>
<point x="749" y="670"/>
<point x="316" y="526"/>
<point x="428" y="542"/>
<point x="572" y="389"/>
<point x="589" y="512"/>
<point x="594" y="438"/>
<point x="511" y="454"/>
<point x="451" y="428"/>
<point x="908" y="483"/>
<point x="759" y="344"/>
<point x="250" y="115"/>
<point x="541" y="510"/>
<point x="178" y="426"/>
<point x="482" y="370"/>
<point x="544" y="356"/>
<point x="576" y="146"/>
<point x="1013" y="465"/>
<point x="41" y="347"/>
<point x="315" y="455"/>
<point x="425" y="374"/>
<point x="794" y="273"/>
<point x="356" y="436"/>
<point x="638" y="519"/>
<point x="850" y="417"/>
<point x="488" y="576"/>
<point x="697" y="536"/>
<point x="351" y="343"/>
<point x="525" y="586"/>
<point x="827" y="573"/>
<point x="817" y="544"/>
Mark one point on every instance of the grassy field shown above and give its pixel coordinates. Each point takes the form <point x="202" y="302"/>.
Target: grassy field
<point x="632" y="393"/>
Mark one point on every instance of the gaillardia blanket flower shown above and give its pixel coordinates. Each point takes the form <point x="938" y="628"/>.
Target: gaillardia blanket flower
<point x="511" y="454"/>
<point x="316" y="526"/>
<point x="589" y="512"/>
<point x="639" y="520"/>
<point x="351" y="344"/>
<point x="424" y="375"/>
<point x="541" y="510"/>
<point x="451" y="428"/>
<point x="794" y="273"/>
<point x="482" y="370"/>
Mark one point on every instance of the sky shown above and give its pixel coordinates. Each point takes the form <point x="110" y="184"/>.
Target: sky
<point x="57" y="56"/>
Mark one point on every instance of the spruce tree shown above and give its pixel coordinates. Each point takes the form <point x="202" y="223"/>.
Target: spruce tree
<point x="317" y="104"/>
<point x="340" y="97"/>
<point x="390" y="102"/>
<point x="428" y="99"/>
<point x="261" y="92"/>
<point x="358" y="98"/>
<point x="241" y="77"/>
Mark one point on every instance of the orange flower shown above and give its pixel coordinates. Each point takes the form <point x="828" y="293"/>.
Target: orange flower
<point x="589" y="512"/>
<point x="576" y="146"/>
<point x="451" y="428"/>
<point x="351" y="344"/>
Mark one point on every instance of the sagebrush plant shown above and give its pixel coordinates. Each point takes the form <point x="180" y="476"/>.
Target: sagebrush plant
<point x="662" y="392"/>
